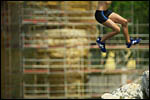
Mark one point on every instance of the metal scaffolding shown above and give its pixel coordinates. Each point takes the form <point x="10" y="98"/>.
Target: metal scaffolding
<point x="37" y="80"/>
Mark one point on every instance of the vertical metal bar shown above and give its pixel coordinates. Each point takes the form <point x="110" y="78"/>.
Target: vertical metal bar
<point x="82" y="73"/>
<point x="65" y="69"/>
<point x="48" y="87"/>
<point x="2" y="51"/>
<point x="132" y="11"/>
<point x="49" y="69"/>
<point x="82" y="84"/>
<point x="91" y="88"/>
<point x="9" y="49"/>
<point x="65" y="11"/>
<point x="137" y="28"/>
<point x="20" y="70"/>
<point x="23" y="92"/>
<point x="5" y="49"/>
<point x="137" y="32"/>
<point x="123" y="77"/>
<point x="79" y="89"/>
<point x="22" y="49"/>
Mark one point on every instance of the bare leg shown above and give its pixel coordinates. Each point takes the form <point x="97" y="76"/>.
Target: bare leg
<point x="118" y="19"/>
<point x="116" y="29"/>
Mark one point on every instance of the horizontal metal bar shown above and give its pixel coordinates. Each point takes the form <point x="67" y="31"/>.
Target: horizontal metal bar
<point x="46" y="22"/>
<point x="86" y="46"/>
<point x="104" y="71"/>
<point x="41" y="60"/>
<point x="109" y="41"/>
<point x="36" y="85"/>
<point x="68" y="66"/>
<point x="59" y="18"/>
<point x="62" y="97"/>
<point x="72" y="66"/>
<point x="68" y="84"/>
<point x="60" y="66"/>
<point x="36" y="91"/>
<point x="62" y="60"/>
<point x="61" y="91"/>
<point x="85" y="96"/>
<point x="54" y="11"/>
<point x="55" y="35"/>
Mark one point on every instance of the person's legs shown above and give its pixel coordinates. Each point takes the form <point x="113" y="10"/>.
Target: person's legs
<point x="116" y="29"/>
<point x="118" y="19"/>
<point x="102" y="18"/>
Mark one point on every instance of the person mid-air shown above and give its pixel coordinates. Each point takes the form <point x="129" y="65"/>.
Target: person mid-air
<point x="109" y="19"/>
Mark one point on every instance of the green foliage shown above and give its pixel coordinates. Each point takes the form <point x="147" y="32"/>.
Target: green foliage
<point x="128" y="9"/>
<point x="141" y="9"/>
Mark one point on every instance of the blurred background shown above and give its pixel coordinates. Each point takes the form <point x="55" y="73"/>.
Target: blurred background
<point x="48" y="49"/>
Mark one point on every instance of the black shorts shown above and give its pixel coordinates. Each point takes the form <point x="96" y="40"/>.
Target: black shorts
<point x="102" y="16"/>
